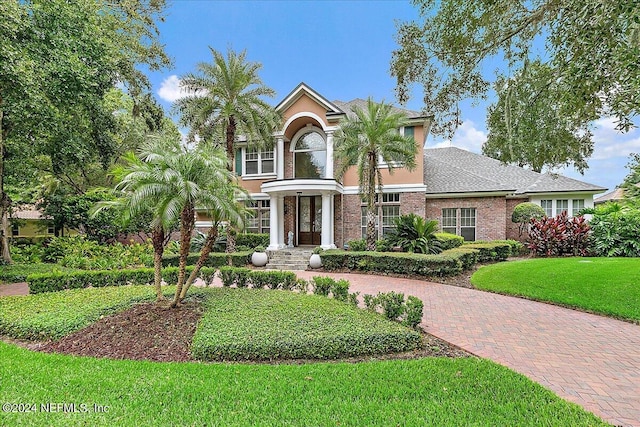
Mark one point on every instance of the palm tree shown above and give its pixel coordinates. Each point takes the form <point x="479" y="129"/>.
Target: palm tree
<point x="365" y="139"/>
<point x="225" y="99"/>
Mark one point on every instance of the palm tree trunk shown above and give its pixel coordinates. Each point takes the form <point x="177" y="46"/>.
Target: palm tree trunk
<point x="371" y="202"/>
<point x="371" y="230"/>
<point x="212" y="235"/>
<point x="187" y="222"/>
<point x="231" y="136"/>
<point x="157" y="239"/>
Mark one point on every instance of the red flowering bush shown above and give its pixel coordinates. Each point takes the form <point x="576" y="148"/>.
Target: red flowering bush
<point x="559" y="235"/>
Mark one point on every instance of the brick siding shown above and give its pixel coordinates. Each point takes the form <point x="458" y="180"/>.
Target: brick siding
<point x="491" y="214"/>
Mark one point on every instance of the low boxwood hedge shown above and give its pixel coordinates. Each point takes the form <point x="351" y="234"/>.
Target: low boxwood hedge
<point x="255" y="324"/>
<point x="449" y="241"/>
<point x="58" y="281"/>
<point x="18" y="272"/>
<point x="447" y="263"/>
<point x="54" y="315"/>
<point x="238" y="259"/>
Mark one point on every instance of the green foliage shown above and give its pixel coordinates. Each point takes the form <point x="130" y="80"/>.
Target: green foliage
<point x="392" y="304"/>
<point x="237" y="259"/>
<point x="340" y="290"/>
<point x="383" y="245"/>
<point x="414" y="310"/>
<point x="252" y="240"/>
<point x="415" y="234"/>
<point x="365" y="138"/>
<point x="272" y="279"/>
<point x="614" y="231"/>
<point x="467" y="256"/>
<point x="261" y="325"/>
<point x="30" y="253"/>
<point x="524" y="212"/>
<point x="600" y="285"/>
<point x="631" y="183"/>
<point x="322" y="285"/>
<point x="19" y="272"/>
<point x="358" y="245"/>
<point x="78" y="252"/>
<point x="239" y="276"/>
<point x="449" y="241"/>
<point x="61" y="280"/>
<point x="517" y="248"/>
<point x="590" y="55"/>
<point x="525" y="131"/>
<point x="491" y="251"/>
<point x="54" y="315"/>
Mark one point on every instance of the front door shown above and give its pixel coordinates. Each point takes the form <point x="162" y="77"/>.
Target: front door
<point x="309" y="220"/>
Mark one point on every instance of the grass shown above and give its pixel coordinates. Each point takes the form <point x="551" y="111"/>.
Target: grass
<point x="606" y="286"/>
<point x="19" y="272"/>
<point x="466" y="391"/>
<point x="241" y="324"/>
<point x="55" y="314"/>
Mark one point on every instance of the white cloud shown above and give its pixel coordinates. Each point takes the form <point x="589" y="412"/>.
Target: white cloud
<point x="170" y="89"/>
<point x="610" y="143"/>
<point x="467" y="137"/>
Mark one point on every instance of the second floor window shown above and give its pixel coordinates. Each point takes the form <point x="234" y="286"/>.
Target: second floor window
<point x="310" y="156"/>
<point x="258" y="161"/>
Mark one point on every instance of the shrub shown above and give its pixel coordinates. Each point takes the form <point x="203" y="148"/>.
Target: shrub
<point x="58" y="281"/>
<point x="272" y="279"/>
<point x="238" y="259"/>
<point x="523" y="213"/>
<point x="243" y="325"/>
<point x="227" y="275"/>
<point x="370" y="302"/>
<point x="19" y="272"/>
<point x="383" y="245"/>
<point x="615" y="231"/>
<point x="492" y="251"/>
<point x="252" y="240"/>
<point x="415" y="234"/>
<point x="414" y="311"/>
<point x="340" y="290"/>
<point x="78" y="252"/>
<point x="467" y="256"/>
<point x="322" y="285"/>
<point x="449" y="241"/>
<point x="353" y="298"/>
<point x="392" y="304"/>
<point x="559" y="235"/>
<point x="359" y="245"/>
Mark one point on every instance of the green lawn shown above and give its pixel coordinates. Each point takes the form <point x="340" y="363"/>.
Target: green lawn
<point x="438" y="391"/>
<point x="609" y="286"/>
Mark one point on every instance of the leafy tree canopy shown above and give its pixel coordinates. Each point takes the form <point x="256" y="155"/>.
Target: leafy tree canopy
<point x="528" y="128"/>
<point x="631" y="183"/>
<point x="592" y="46"/>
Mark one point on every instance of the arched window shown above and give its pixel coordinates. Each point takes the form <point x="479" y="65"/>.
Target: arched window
<point x="310" y="156"/>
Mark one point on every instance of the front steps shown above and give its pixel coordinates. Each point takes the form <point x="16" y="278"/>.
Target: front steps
<point x="289" y="259"/>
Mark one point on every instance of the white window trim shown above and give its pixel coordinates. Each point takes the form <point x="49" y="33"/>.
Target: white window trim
<point x="294" y="142"/>
<point x="260" y="174"/>
<point x="384" y="165"/>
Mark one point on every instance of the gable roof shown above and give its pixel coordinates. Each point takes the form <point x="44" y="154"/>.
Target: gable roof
<point x="453" y="170"/>
<point x="304" y="89"/>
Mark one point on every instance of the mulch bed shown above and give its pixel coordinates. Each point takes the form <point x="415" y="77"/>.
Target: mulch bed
<point x="144" y="332"/>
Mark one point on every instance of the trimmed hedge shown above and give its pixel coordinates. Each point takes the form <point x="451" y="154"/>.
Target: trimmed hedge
<point x="215" y="259"/>
<point x="517" y="248"/>
<point x="449" y="241"/>
<point x="252" y="324"/>
<point x="251" y="240"/>
<point x="392" y="262"/>
<point x="447" y="263"/>
<point x="492" y="251"/>
<point x="53" y="282"/>
<point x="19" y="272"/>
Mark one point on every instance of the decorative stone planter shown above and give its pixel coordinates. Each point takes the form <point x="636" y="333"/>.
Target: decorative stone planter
<point x="315" y="261"/>
<point x="259" y="259"/>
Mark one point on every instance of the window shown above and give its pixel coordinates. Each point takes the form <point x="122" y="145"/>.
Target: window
<point x="547" y="205"/>
<point x="466" y="222"/>
<point x="15" y="230"/>
<point x="576" y="206"/>
<point x="388" y="211"/>
<point x="258" y="161"/>
<point x="51" y="229"/>
<point x="258" y="221"/>
<point x="406" y="131"/>
<point x="310" y="156"/>
<point x="449" y="220"/>
<point x="562" y="206"/>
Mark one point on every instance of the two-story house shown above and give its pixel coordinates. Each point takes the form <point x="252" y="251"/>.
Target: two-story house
<point x="297" y="199"/>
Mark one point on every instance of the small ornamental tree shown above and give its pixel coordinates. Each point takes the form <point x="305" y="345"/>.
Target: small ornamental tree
<point x="524" y="212"/>
<point x="559" y="235"/>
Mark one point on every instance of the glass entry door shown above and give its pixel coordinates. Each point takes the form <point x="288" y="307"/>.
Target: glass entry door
<point x="309" y="220"/>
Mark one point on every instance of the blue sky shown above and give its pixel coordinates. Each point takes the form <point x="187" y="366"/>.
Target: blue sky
<point x="342" y="49"/>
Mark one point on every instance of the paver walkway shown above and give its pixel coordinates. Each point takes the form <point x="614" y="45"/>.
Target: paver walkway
<point x="591" y="360"/>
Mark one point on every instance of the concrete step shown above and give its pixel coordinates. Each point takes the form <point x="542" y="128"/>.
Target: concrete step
<point x="287" y="267"/>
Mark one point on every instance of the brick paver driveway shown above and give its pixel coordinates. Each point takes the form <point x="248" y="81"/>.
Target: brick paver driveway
<point x="591" y="360"/>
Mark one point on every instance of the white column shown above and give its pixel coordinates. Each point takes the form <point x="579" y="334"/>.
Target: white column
<point x="280" y="237"/>
<point x="325" y="236"/>
<point x="280" y="157"/>
<point x="273" y="223"/>
<point x="329" y="168"/>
